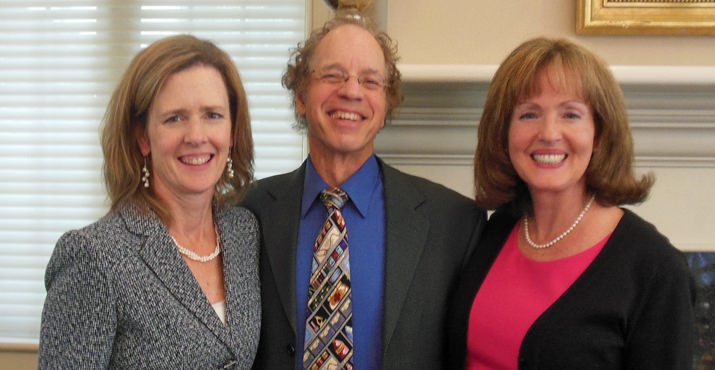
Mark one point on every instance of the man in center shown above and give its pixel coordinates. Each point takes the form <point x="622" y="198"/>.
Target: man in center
<point x="357" y="277"/>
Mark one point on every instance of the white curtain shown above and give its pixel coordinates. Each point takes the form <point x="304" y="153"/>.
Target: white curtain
<point x="59" y="63"/>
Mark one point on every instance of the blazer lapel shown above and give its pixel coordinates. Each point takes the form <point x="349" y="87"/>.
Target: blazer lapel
<point x="237" y="309"/>
<point x="161" y="256"/>
<point x="404" y="246"/>
<point x="281" y="235"/>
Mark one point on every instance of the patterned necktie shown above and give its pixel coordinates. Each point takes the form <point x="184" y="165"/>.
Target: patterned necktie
<point x="329" y="328"/>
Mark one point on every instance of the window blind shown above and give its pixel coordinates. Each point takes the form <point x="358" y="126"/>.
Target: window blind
<point x="59" y="63"/>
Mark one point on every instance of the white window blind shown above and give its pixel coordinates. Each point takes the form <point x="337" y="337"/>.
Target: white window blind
<point x="59" y="62"/>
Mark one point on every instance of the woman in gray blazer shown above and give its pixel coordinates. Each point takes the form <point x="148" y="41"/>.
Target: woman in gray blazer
<point x="168" y="278"/>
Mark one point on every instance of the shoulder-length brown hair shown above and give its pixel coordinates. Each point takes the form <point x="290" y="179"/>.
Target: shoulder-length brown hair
<point x="569" y="67"/>
<point x="297" y="74"/>
<point x="127" y="115"/>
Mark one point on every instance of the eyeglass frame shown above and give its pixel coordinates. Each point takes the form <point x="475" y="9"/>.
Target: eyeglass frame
<point x="338" y="77"/>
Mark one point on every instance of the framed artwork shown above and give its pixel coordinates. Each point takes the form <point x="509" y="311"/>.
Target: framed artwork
<point x="645" y="17"/>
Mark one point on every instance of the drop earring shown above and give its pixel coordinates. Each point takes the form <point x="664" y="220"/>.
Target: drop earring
<point x="145" y="175"/>
<point x="229" y="166"/>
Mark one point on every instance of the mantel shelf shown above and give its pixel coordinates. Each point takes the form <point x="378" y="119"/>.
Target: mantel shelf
<point x="629" y="75"/>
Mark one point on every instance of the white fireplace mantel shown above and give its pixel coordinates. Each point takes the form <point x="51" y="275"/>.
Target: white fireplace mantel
<point x="482" y="73"/>
<point x="671" y="111"/>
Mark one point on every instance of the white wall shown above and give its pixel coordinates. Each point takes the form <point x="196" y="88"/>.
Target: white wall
<point x="483" y="31"/>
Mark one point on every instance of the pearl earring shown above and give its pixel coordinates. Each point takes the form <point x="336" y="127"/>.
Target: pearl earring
<point x="145" y="175"/>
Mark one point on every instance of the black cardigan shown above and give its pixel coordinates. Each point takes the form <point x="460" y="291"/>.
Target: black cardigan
<point x="632" y="308"/>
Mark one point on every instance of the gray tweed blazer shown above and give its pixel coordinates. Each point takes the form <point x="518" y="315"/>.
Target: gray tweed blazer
<point x="119" y="295"/>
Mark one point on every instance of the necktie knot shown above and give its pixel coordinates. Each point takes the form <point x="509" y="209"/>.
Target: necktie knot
<point x="333" y="198"/>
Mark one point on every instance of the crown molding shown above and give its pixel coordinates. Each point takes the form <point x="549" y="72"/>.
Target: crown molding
<point x="673" y="121"/>
<point x="627" y="75"/>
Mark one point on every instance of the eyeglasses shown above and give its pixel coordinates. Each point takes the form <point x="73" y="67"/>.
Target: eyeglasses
<point x="338" y="78"/>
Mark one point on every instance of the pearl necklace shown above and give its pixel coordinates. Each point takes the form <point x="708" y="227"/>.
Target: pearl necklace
<point x="562" y="235"/>
<point x="195" y="257"/>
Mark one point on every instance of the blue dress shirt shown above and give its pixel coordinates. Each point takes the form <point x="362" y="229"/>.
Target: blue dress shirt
<point x="364" y="217"/>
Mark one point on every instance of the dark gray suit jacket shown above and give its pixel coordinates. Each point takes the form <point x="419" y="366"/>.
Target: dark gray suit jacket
<point x="430" y="231"/>
<point x="119" y="295"/>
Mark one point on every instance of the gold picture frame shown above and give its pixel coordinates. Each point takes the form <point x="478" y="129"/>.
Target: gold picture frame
<point x="645" y="17"/>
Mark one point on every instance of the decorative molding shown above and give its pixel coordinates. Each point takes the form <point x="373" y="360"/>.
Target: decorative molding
<point x="672" y="114"/>
<point x="673" y="162"/>
<point x="428" y="160"/>
<point x="447" y="73"/>
<point x="665" y="75"/>
<point x="628" y="75"/>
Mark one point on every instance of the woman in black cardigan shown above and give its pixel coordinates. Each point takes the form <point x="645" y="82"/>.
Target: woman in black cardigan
<point x="563" y="277"/>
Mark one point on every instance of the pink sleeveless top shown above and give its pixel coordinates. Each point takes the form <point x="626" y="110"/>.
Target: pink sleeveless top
<point x="516" y="291"/>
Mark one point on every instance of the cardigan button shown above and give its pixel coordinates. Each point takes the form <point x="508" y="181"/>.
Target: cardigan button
<point x="291" y="349"/>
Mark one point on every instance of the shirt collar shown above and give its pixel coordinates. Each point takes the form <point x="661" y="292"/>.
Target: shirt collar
<point x="360" y="187"/>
